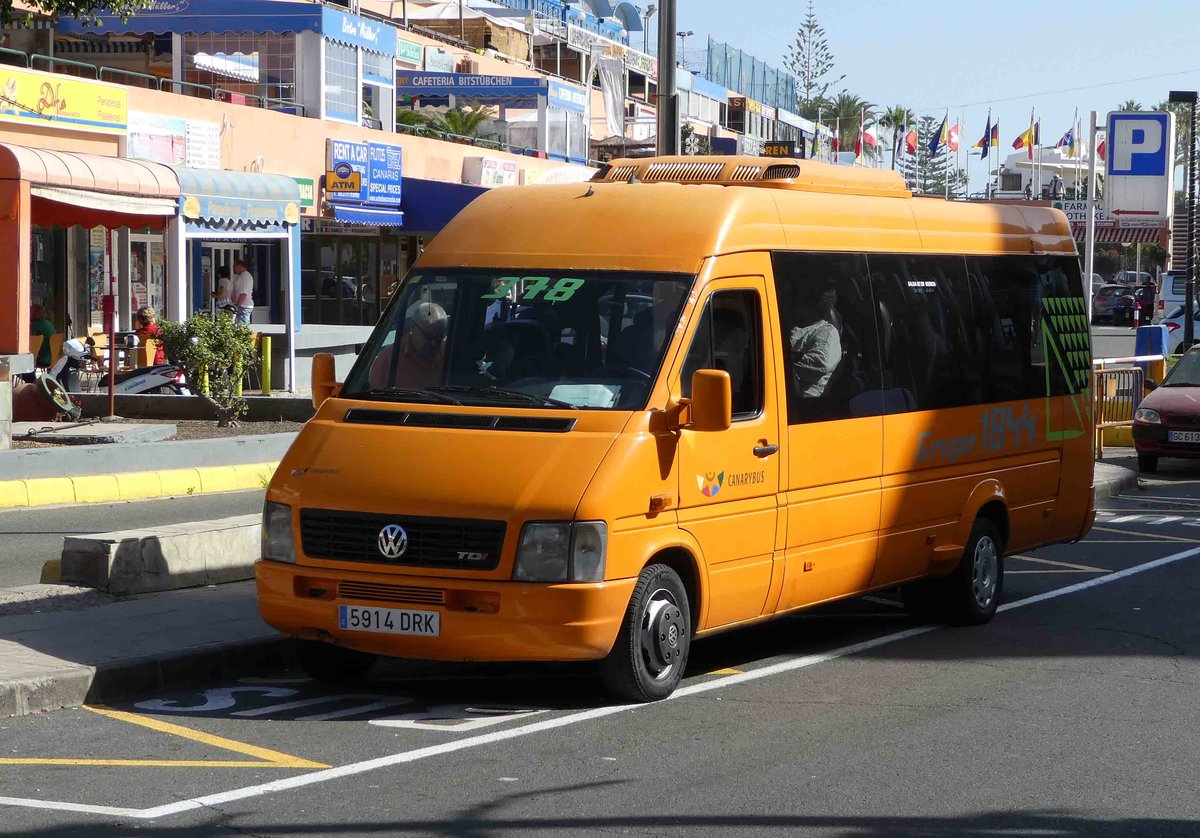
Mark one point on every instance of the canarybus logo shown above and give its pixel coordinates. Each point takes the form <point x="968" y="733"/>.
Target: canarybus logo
<point x="710" y="484"/>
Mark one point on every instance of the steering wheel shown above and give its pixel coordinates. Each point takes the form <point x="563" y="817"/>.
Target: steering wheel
<point x="617" y="369"/>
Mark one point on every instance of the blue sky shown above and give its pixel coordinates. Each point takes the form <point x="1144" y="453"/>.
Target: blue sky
<point x="965" y="56"/>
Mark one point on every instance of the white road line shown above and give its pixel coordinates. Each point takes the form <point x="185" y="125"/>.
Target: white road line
<point x="418" y="754"/>
<point x="1166" y="519"/>
<point x="1124" y="519"/>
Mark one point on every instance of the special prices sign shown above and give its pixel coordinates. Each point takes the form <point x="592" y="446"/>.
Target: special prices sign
<point x="364" y="173"/>
<point x="28" y="97"/>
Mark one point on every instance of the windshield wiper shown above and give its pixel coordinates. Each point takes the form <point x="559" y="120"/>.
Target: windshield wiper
<point x="1180" y="384"/>
<point x="490" y="390"/>
<point x="411" y="393"/>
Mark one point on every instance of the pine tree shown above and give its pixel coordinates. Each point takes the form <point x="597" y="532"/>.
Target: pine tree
<point x="929" y="174"/>
<point x="811" y="61"/>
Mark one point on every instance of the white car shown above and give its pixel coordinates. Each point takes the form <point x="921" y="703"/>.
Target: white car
<point x="1174" y="323"/>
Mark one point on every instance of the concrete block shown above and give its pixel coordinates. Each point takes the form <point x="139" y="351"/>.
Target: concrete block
<point x="97" y="488"/>
<point x="47" y="491"/>
<point x="136" y="485"/>
<point x="164" y="558"/>
<point x="100" y="433"/>
<point x="180" y="481"/>
<point x="219" y="479"/>
<point x="13" y="493"/>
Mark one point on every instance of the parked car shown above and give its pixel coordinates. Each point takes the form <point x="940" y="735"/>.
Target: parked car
<point x="1171" y="294"/>
<point x="1167" y="423"/>
<point x="1132" y="278"/>
<point x="1174" y="323"/>
<point x="1113" y="304"/>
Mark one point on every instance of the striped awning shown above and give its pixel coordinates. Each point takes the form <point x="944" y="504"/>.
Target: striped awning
<point x="244" y="198"/>
<point x="1122" y="235"/>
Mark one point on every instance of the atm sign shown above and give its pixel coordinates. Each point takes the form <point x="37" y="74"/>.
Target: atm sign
<point x="343" y="182"/>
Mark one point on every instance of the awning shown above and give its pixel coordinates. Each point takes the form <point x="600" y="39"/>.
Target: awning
<point x="1122" y="235"/>
<point x="430" y="204"/>
<point x="106" y="202"/>
<point x="246" y="198"/>
<point x="517" y="91"/>
<point x="368" y="216"/>
<point x="201" y="16"/>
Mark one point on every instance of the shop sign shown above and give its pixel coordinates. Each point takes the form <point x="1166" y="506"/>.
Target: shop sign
<point x="449" y="84"/>
<point x="584" y="40"/>
<point x="31" y="98"/>
<point x="200" y="207"/>
<point x="566" y="97"/>
<point x="779" y="148"/>
<point x="365" y="173"/>
<point x="490" y="172"/>
<point x="358" y="31"/>
<point x="439" y="61"/>
<point x="308" y="191"/>
<point x="409" y="52"/>
<point x="742" y="103"/>
<point x="173" y="141"/>
<point x="385" y="165"/>
<point x="647" y="65"/>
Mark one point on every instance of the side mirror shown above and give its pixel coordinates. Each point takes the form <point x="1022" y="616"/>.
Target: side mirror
<point x="324" y="378"/>
<point x="1150" y="384"/>
<point x="712" y="401"/>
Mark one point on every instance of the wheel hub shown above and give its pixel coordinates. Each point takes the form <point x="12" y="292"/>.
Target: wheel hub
<point x="985" y="570"/>
<point x="663" y="635"/>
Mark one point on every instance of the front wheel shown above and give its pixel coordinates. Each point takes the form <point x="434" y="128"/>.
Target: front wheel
<point x="647" y="661"/>
<point x="1148" y="463"/>
<point x="971" y="593"/>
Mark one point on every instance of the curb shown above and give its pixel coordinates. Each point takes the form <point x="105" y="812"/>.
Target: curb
<point x="72" y="686"/>
<point x="134" y="485"/>
<point x="1116" y="480"/>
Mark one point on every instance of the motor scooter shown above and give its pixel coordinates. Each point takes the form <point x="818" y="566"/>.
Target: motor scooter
<point x="156" y="379"/>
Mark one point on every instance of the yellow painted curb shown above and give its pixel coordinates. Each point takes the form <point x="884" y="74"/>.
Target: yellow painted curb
<point x="135" y="485"/>
<point x="51" y="572"/>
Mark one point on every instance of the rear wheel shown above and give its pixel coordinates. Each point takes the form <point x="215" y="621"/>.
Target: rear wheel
<point x="1148" y="462"/>
<point x="970" y="594"/>
<point x="648" y="659"/>
<point x="333" y="664"/>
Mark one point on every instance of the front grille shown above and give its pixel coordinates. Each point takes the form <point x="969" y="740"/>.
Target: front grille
<point x="1182" y="419"/>
<point x="432" y="542"/>
<point x="374" y="592"/>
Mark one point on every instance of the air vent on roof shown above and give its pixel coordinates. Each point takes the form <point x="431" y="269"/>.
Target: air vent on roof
<point x="782" y="171"/>
<point x="745" y="173"/>
<point x="683" y="172"/>
<point x="622" y="172"/>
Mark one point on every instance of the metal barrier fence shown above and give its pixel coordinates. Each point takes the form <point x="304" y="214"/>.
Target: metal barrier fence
<point x="1116" y="393"/>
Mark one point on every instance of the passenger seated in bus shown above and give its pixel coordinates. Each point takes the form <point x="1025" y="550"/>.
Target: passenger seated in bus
<point x="419" y="358"/>
<point x="816" y="345"/>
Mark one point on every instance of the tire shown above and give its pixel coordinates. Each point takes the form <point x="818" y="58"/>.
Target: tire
<point x="1148" y="463"/>
<point x="651" y="652"/>
<point x="971" y="593"/>
<point x="333" y="664"/>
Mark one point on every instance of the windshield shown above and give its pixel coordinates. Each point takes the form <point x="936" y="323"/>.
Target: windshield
<point x="1186" y="373"/>
<point x="555" y="339"/>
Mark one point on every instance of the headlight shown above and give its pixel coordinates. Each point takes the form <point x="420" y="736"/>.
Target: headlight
<point x="562" y="552"/>
<point x="1145" y="414"/>
<point x="277" y="542"/>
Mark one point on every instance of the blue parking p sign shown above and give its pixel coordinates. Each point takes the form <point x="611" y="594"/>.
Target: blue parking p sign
<point x="1139" y="144"/>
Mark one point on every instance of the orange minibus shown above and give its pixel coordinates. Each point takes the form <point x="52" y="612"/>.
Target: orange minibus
<point x="600" y="420"/>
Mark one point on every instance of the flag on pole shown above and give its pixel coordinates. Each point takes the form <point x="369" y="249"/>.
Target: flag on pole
<point x="1028" y="138"/>
<point x="910" y="141"/>
<point x="985" y="142"/>
<point x="940" y="137"/>
<point x="858" y="141"/>
<point x="952" y="138"/>
<point x="837" y="139"/>
<point x="869" y="137"/>
<point x="1102" y="149"/>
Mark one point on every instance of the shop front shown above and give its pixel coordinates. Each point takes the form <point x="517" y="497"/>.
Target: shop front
<point x="229" y="217"/>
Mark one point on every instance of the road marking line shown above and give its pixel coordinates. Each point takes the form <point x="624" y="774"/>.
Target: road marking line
<point x="1049" y="570"/>
<point x="1159" y="497"/>
<point x="729" y="670"/>
<point x="1151" y="535"/>
<point x="1061" y="564"/>
<point x="1166" y="519"/>
<point x="404" y="757"/>
<point x="270" y="758"/>
<point x="1125" y="519"/>
<point x="150" y="763"/>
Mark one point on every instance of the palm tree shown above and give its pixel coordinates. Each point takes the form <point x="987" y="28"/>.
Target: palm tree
<point x="844" y="111"/>
<point x="1130" y="105"/>
<point x="897" y="118"/>
<point x="414" y="121"/>
<point x="1183" y="118"/>
<point x="460" y="121"/>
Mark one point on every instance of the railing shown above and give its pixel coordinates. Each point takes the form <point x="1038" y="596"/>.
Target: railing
<point x="52" y="63"/>
<point x="1117" y="392"/>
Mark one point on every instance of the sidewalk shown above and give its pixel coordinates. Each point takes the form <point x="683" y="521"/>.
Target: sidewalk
<point x="74" y="650"/>
<point x="1112" y="479"/>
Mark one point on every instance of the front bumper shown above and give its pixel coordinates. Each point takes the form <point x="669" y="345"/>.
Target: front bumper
<point x="480" y="620"/>
<point x="1152" y="439"/>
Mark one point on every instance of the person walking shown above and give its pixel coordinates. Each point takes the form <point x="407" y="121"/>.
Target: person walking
<point x="243" y="293"/>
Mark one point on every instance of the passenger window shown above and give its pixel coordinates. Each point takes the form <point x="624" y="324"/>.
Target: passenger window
<point x="830" y="344"/>
<point x="930" y="340"/>
<point x="1008" y="316"/>
<point x="729" y="338"/>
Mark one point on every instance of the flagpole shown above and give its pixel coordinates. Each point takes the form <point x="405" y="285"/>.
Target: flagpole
<point x="946" y="178"/>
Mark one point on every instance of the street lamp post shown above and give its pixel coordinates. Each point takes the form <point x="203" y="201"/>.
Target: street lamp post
<point x="1189" y="97"/>
<point x="683" y="36"/>
<point x="646" y="15"/>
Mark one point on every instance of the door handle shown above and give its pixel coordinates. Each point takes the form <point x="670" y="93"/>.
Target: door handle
<point x="765" y="450"/>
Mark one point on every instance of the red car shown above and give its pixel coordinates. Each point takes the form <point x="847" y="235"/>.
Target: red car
<point x="1167" y="424"/>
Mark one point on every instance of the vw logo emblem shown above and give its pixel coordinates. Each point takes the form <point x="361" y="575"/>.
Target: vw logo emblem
<point x="393" y="541"/>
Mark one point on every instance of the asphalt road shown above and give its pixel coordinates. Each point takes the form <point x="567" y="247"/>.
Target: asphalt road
<point x="1073" y="713"/>
<point x="29" y="537"/>
<point x="1112" y="341"/>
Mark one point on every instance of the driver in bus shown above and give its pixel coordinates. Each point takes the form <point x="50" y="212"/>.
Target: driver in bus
<point x="420" y="356"/>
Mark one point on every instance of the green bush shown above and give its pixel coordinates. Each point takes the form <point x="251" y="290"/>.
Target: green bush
<point x="214" y="352"/>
